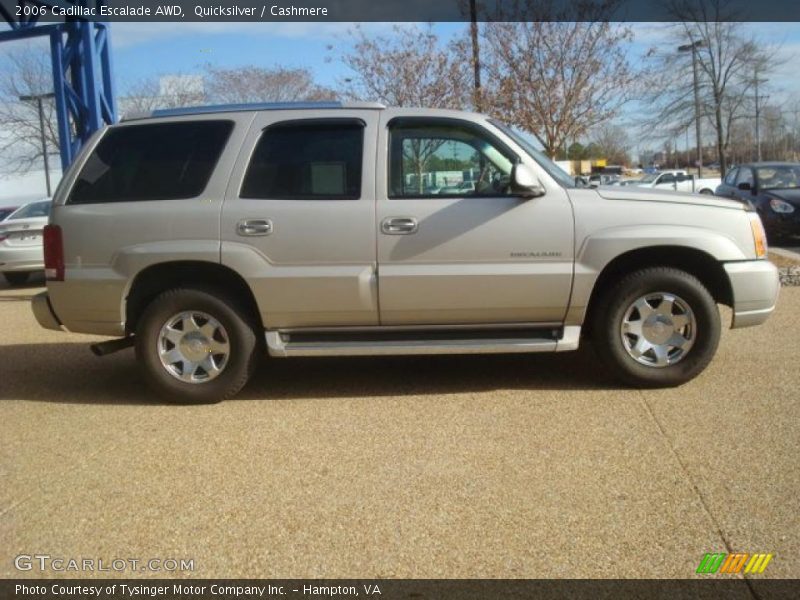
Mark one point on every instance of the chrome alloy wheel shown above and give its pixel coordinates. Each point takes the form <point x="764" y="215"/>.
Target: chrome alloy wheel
<point x="658" y="329"/>
<point x="193" y="347"/>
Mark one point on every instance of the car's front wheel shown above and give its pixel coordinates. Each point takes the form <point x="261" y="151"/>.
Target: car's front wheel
<point x="658" y="327"/>
<point x="196" y="346"/>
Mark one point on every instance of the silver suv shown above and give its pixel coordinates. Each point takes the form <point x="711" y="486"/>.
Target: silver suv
<point x="206" y="236"/>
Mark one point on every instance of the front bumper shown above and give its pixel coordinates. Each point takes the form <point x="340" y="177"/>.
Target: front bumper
<point x="755" y="287"/>
<point x="780" y="224"/>
<point x="44" y="312"/>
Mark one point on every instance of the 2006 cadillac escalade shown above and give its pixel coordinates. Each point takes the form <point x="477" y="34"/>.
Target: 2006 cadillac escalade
<point x="206" y="235"/>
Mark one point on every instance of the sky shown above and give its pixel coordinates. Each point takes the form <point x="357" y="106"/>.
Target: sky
<point x="148" y="50"/>
<point x="140" y="49"/>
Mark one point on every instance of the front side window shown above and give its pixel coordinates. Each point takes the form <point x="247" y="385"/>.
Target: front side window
<point x="745" y="176"/>
<point x="429" y="158"/>
<point x="307" y="160"/>
<point x="666" y="178"/>
<point x="730" y="178"/>
<point x="158" y="161"/>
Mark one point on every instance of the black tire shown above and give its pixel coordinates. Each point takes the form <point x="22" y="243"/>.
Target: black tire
<point x="17" y="277"/>
<point x="707" y="192"/>
<point x="610" y="311"/>
<point x="241" y="328"/>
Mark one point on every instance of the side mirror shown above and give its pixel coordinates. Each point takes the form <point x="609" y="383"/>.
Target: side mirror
<point x="745" y="186"/>
<point x="525" y="183"/>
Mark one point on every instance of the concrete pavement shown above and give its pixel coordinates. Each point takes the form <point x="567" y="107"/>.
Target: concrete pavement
<point x="496" y="466"/>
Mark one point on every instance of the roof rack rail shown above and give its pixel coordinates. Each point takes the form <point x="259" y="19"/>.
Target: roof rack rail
<point x="222" y="108"/>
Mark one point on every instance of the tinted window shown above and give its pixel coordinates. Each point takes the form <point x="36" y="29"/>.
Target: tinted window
<point x="446" y="158"/>
<point x="152" y="162"/>
<point x="307" y="160"/>
<point x="32" y="210"/>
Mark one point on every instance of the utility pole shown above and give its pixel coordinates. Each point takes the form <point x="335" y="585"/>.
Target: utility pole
<point x="476" y="56"/>
<point x="758" y="99"/>
<point x="697" y="117"/>
<point x="38" y="99"/>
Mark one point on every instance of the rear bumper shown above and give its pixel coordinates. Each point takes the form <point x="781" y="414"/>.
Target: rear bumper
<point x="43" y="311"/>
<point x="755" y="287"/>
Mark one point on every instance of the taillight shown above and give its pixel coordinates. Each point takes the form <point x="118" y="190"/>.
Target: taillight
<point x="53" y="253"/>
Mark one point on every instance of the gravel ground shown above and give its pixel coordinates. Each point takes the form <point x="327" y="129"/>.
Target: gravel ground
<point x="496" y="466"/>
<point x="790" y="276"/>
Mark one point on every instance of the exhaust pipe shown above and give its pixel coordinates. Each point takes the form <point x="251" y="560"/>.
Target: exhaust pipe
<point x="111" y="346"/>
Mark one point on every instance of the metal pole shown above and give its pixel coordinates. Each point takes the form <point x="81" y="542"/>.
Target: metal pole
<point x="697" y="119"/>
<point x="758" y="114"/>
<point x="44" y="144"/>
<point x="476" y="60"/>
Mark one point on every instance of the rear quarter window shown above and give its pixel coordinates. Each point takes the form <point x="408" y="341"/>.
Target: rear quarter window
<point x="158" y="161"/>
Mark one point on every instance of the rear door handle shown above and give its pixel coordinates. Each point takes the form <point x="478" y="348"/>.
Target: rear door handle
<point x="254" y="227"/>
<point x="399" y="225"/>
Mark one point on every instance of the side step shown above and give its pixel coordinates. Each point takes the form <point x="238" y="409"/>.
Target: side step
<point x="285" y="344"/>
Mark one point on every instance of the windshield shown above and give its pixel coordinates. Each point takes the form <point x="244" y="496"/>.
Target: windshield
<point x="778" y="177"/>
<point x="556" y="172"/>
<point x="34" y="209"/>
<point x="650" y="178"/>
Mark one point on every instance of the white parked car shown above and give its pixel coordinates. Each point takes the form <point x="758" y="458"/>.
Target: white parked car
<point x="678" y="180"/>
<point x="21" y="251"/>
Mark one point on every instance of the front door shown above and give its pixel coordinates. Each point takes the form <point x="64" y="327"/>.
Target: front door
<point x="299" y="218"/>
<point x="455" y="245"/>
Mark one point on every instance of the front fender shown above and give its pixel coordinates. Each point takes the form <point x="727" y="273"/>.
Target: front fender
<point x="597" y="251"/>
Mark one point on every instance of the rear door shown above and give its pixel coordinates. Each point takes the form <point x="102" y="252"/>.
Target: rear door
<point x="298" y="221"/>
<point x="455" y="246"/>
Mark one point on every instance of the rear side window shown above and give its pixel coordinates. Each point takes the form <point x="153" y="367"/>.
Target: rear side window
<point x="307" y="160"/>
<point x="164" y="161"/>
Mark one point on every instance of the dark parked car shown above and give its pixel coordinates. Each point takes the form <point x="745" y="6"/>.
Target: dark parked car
<point x="6" y="210"/>
<point x="773" y="189"/>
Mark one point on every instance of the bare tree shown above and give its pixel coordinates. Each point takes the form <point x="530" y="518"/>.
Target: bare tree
<point x="169" y="91"/>
<point x="27" y="73"/>
<point x="612" y="143"/>
<point x="730" y="62"/>
<point x="558" y="79"/>
<point x="412" y="68"/>
<point x="257" y="84"/>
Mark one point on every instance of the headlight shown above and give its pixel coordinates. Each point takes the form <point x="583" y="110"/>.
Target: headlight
<point x="759" y="236"/>
<point x="779" y="206"/>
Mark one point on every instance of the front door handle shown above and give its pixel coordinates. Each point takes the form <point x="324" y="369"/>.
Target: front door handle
<point x="254" y="227"/>
<point x="399" y="225"/>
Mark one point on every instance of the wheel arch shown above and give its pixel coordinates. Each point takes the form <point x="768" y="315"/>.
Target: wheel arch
<point x="155" y="279"/>
<point x="702" y="265"/>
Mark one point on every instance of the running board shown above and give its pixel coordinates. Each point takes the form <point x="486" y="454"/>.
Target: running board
<point x="283" y="344"/>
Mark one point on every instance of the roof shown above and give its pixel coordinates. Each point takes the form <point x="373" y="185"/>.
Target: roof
<point x="259" y="106"/>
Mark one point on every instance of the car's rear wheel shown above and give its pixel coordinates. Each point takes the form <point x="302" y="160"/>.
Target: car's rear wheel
<point x="707" y="192"/>
<point x="17" y="277"/>
<point x="658" y="327"/>
<point x="196" y="346"/>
